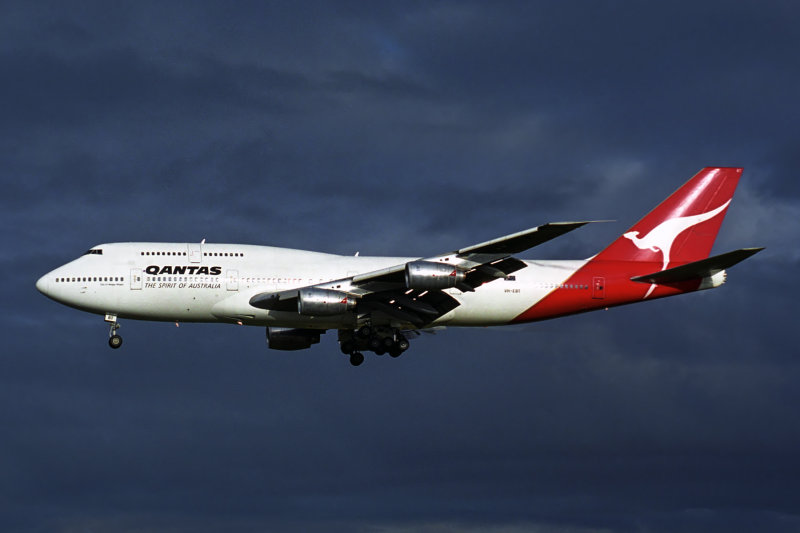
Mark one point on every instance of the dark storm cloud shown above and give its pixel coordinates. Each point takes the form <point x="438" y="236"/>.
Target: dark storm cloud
<point x="409" y="129"/>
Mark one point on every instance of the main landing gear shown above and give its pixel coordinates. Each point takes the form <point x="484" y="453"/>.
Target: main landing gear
<point x="114" y="340"/>
<point x="380" y="340"/>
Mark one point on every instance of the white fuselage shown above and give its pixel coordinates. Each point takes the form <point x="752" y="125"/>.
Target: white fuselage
<point x="214" y="283"/>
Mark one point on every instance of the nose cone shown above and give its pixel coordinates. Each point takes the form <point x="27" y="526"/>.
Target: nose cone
<point x="43" y="284"/>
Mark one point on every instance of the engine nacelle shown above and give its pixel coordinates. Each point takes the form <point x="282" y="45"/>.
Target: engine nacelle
<point x="323" y="302"/>
<point x="291" y="338"/>
<point x="427" y="275"/>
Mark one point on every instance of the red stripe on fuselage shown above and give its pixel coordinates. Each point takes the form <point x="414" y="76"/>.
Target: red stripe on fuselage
<point x="617" y="289"/>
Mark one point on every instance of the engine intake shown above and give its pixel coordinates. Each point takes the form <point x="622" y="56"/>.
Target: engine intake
<point x="427" y="275"/>
<point x="290" y="339"/>
<point x="323" y="302"/>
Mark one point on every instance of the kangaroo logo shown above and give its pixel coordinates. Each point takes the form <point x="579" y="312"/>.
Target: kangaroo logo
<point x="661" y="238"/>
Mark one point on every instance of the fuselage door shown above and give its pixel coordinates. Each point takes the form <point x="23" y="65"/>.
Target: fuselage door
<point x="233" y="280"/>
<point x="598" y="288"/>
<point x="194" y="251"/>
<point x="136" y="279"/>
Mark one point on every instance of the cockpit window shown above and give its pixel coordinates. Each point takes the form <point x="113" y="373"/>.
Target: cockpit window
<point x="94" y="251"/>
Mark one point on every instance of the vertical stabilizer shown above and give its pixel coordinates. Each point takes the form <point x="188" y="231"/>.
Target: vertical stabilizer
<point x="683" y="227"/>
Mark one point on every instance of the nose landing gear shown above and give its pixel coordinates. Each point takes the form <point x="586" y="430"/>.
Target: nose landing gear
<point x="114" y="340"/>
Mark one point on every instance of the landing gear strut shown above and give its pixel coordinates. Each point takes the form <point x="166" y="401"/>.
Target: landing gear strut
<point x="114" y="340"/>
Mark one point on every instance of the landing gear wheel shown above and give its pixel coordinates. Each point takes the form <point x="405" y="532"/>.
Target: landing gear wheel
<point x="375" y="344"/>
<point x="364" y="331"/>
<point x="115" y="341"/>
<point x="395" y="352"/>
<point x="347" y="347"/>
<point x="356" y="358"/>
<point x="402" y="344"/>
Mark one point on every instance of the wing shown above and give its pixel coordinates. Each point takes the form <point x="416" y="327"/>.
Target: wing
<point x="387" y="292"/>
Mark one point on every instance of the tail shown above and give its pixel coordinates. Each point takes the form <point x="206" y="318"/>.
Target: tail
<point x="683" y="227"/>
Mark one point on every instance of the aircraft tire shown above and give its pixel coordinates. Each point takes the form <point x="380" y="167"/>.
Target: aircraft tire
<point x="356" y="358"/>
<point x="375" y="344"/>
<point x="115" y="341"/>
<point x="402" y="344"/>
<point x="347" y="347"/>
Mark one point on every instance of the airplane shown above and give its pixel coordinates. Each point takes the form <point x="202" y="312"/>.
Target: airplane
<point x="377" y="303"/>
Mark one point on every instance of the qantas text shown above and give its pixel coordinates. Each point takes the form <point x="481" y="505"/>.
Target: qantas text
<point x="155" y="270"/>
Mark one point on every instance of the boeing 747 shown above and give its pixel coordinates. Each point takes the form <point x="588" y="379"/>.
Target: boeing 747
<point x="376" y="303"/>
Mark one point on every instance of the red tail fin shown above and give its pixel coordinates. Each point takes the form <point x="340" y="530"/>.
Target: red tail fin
<point x="683" y="227"/>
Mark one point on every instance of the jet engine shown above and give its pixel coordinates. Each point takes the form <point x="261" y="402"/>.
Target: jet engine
<point x="323" y="302"/>
<point x="291" y="338"/>
<point x="427" y="275"/>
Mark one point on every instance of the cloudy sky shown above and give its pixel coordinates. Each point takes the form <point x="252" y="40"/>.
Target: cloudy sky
<point x="403" y="129"/>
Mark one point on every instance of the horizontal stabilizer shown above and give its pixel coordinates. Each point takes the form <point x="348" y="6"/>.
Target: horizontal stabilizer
<point x="698" y="269"/>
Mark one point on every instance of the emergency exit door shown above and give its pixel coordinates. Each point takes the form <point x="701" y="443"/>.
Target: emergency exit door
<point x="194" y="251"/>
<point x="233" y="280"/>
<point x="136" y="279"/>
